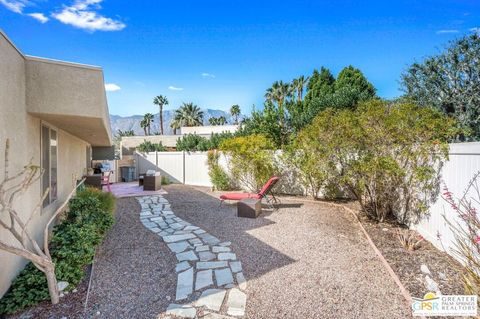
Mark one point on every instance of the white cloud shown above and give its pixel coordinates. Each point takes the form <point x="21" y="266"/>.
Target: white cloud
<point x="174" y="88"/>
<point x="82" y="15"/>
<point x="208" y="75"/>
<point x="38" y="16"/>
<point x="447" y="31"/>
<point x="14" y="5"/>
<point x="476" y="30"/>
<point x="111" y="87"/>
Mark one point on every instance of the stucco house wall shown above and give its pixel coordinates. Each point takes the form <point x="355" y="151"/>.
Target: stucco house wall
<point x="23" y="128"/>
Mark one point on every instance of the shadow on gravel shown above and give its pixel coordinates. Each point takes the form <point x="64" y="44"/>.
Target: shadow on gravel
<point x="203" y="210"/>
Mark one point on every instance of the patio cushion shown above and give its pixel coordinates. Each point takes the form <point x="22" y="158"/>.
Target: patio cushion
<point x="239" y="196"/>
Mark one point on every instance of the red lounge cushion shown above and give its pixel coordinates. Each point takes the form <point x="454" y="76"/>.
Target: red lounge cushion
<point x="239" y="196"/>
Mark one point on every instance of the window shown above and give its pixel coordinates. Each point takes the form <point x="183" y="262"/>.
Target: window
<point x="49" y="163"/>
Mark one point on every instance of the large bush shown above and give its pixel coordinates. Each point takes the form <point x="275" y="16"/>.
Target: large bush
<point x="387" y="155"/>
<point x="72" y="248"/>
<point x="250" y="160"/>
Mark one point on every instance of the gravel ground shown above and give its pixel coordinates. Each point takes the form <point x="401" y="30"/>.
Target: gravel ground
<point x="134" y="272"/>
<point x="306" y="260"/>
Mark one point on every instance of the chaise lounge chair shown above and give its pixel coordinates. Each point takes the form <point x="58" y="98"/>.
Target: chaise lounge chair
<point x="266" y="190"/>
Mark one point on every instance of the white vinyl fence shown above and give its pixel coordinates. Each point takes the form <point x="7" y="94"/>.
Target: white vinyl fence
<point x="464" y="161"/>
<point x="180" y="167"/>
<point x="463" y="164"/>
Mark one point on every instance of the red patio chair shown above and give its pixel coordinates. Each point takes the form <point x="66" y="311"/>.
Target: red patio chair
<point x="106" y="180"/>
<point x="264" y="191"/>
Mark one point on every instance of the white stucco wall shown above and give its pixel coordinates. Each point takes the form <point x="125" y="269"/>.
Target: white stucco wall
<point x="23" y="130"/>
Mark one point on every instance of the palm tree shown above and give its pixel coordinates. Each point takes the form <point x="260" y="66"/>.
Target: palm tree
<point x="221" y="120"/>
<point x="143" y="124"/>
<point x="235" y="112"/>
<point x="160" y="100"/>
<point x="278" y="93"/>
<point x="175" y="125"/>
<point x="189" y="115"/>
<point x="148" y="119"/>
<point x="298" y="85"/>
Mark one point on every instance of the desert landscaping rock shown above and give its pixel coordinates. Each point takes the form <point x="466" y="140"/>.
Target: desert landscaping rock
<point x="424" y="269"/>
<point x="62" y="285"/>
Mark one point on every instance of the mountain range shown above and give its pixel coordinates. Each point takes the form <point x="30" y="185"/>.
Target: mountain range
<point x="132" y="122"/>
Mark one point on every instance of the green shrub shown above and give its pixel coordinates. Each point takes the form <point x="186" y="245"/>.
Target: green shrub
<point x="386" y="154"/>
<point x="219" y="178"/>
<point x="194" y="142"/>
<point x="250" y="160"/>
<point x="148" y="146"/>
<point x="72" y="248"/>
<point x="165" y="180"/>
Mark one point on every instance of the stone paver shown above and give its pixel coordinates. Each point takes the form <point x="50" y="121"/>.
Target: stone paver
<point x="227" y="256"/>
<point x="236" y="266"/>
<point x="211" y="299"/>
<point x="184" y="284"/>
<point x="207" y="256"/>
<point x="182" y="311"/>
<point x="182" y="266"/>
<point x="201" y="257"/>
<point x="236" y="303"/>
<point x="179" y="247"/>
<point x="223" y="276"/>
<point x="211" y="264"/>
<point x="204" y="279"/>
<point x="187" y="255"/>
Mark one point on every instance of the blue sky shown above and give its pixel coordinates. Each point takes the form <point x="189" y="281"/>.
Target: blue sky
<point x="219" y="53"/>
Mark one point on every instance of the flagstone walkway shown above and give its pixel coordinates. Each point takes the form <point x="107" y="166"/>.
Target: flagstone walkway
<point x="205" y="264"/>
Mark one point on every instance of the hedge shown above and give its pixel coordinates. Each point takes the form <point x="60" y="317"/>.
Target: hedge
<point x="72" y="247"/>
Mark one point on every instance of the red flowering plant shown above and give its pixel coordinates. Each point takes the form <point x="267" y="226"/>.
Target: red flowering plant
<point x="466" y="231"/>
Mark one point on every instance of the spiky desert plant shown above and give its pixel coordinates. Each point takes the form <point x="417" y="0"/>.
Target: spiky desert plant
<point x="466" y="230"/>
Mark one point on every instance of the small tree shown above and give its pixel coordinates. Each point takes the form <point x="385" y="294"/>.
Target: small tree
<point x="449" y="82"/>
<point x="11" y="187"/>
